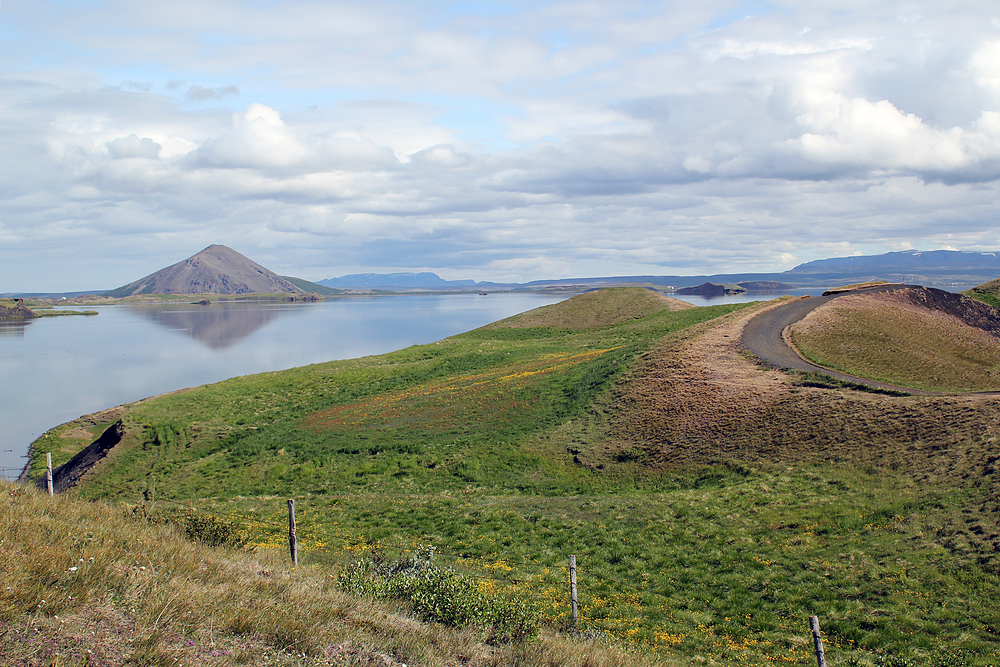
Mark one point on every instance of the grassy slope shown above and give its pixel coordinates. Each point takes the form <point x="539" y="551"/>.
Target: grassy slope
<point x="594" y="309"/>
<point x="92" y="584"/>
<point x="874" y="337"/>
<point x="988" y="293"/>
<point x="484" y="445"/>
<point x="314" y="288"/>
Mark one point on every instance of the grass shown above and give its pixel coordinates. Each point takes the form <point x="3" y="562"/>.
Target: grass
<point x="60" y="313"/>
<point x="64" y="441"/>
<point x="95" y="584"/>
<point x="417" y="418"/>
<point x="709" y="543"/>
<point x="594" y="309"/>
<point x="988" y="293"/>
<point x="899" y="344"/>
<point x="724" y="565"/>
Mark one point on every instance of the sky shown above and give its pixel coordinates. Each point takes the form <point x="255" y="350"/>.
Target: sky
<point x="500" y="141"/>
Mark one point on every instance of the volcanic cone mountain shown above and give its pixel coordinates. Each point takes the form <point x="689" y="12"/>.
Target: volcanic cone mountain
<point x="215" y="270"/>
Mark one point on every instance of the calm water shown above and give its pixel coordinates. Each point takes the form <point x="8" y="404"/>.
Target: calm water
<point x="53" y="370"/>
<point x="747" y="297"/>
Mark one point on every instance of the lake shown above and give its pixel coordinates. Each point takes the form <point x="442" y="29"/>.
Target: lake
<point x="53" y="370"/>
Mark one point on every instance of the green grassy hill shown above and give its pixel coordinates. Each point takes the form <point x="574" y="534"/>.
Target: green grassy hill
<point x="600" y="308"/>
<point x="696" y="489"/>
<point x="312" y="288"/>
<point x="988" y="292"/>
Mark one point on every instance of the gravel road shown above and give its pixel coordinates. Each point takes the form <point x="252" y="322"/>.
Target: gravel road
<point x="763" y="335"/>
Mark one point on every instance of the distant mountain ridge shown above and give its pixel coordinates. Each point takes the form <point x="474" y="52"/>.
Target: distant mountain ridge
<point x="915" y="266"/>
<point x="215" y="270"/>
<point x="911" y="266"/>
<point x="221" y="270"/>
<point x="905" y="261"/>
<point x="398" y="280"/>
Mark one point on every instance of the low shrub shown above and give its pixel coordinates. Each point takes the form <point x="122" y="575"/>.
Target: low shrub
<point x="197" y="526"/>
<point x="211" y="530"/>
<point x="442" y="595"/>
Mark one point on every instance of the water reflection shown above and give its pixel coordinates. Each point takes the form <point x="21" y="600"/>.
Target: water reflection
<point x="69" y="366"/>
<point x="13" y="328"/>
<point x="218" y="325"/>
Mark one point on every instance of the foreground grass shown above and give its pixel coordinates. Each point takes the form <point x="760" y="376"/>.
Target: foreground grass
<point x="91" y="584"/>
<point x="475" y="445"/>
<point x="726" y="566"/>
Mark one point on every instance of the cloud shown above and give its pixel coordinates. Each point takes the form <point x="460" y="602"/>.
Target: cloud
<point x="445" y="157"/>
<point x="132" y="147"/>
<point x="984" y="66"/>
<point x="198" y="93"/>
<point x="568" y="138"/>
<point x="258" y="140"/>
<point x="877" y="135"/>
<point x="354" y="153"/>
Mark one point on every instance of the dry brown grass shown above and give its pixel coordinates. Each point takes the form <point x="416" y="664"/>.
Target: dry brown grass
<point x="699" y="398"/>
<point x="600" y="308"/>
<point x="887" y="337"/>
<point x="857" y="286"/>
<point x="91" y="584"/>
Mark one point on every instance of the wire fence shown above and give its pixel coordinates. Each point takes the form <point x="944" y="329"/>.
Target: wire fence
<point x="10" y="474"/>
<point x="522" y="569"/>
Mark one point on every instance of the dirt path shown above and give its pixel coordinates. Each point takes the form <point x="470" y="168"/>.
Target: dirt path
<point x="765" y="336"/>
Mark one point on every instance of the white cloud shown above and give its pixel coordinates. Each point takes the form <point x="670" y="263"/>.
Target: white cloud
<point x="258" y="140"/>
<point x="732" y="48"/>
<point x="132" y="146"/>
<point x="440" y="156"/>
<point x="984" y="65"/>
<point x="548" y="140"/>
<point x="198" y="93"/>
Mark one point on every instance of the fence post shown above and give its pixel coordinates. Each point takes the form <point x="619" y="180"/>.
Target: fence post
<point x="572" y="589"/>
<point x="292" y="545"/>
<point x="48" y="472"/>
<point x="817" y="641"/>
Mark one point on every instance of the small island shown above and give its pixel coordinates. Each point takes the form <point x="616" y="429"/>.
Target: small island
<point x="14" y="309"/>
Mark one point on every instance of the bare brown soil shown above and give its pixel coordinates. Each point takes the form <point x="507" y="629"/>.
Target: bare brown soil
<point x="9" y="312"/>
<point x="700" y="399"/>
<point x="600" y="308"/>
<point x="856" y="286"/>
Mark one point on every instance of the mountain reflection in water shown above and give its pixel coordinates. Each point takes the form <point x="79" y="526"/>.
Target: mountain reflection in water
<point x="13" y="327"/>
<point x="218" y="325"/>
<point x="58" y="368"/>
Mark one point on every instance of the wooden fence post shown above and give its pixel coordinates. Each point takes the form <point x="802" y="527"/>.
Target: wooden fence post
<point x="292" y="545"/>
<point x="817" y="641"/>
<point x="48" y="472"/>
<point x="572" y="590"/>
